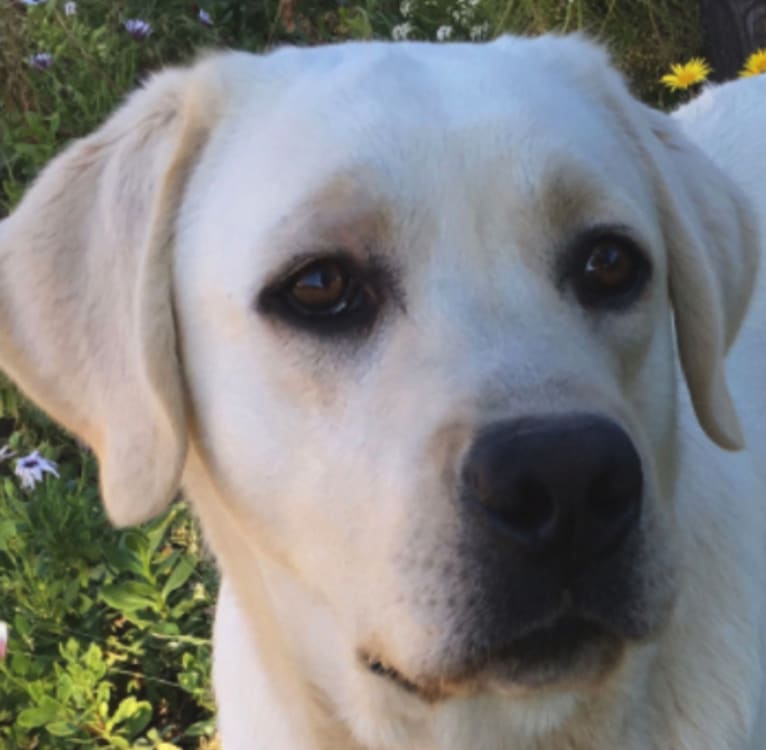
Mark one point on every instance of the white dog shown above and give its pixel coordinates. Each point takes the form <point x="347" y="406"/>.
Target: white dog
<point x="433" y="337"/>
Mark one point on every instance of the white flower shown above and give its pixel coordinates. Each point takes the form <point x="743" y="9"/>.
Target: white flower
<point x="462" y="15"/>
<point x="3" y="639"/>
<point x="70" y="9"/>
<point x="401" y="32"/>
<point x="138" y="28"/>
<point x="406" y="8"/>
<point x="30" y="469"/>
<point x="479" y="32"/>
<point x="443" y="33"/>
<point x="204" y="18"/>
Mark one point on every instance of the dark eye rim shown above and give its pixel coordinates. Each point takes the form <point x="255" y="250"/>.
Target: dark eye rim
<point x="368" y="282"/>
<point x="614" y="300"/>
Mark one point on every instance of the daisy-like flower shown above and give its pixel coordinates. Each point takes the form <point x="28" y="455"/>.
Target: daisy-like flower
<point x="685" y="75"/>
<point x="477" y="33"/>
<point x="401" y="32"/>
<point x="30" y="469"/>
<point x="70" y="9"/>
<point x="30" y="3"/>
<point x="6" y="452"/>
<point x="204" y="18"/>
<point x="3" y="639"/>
<point x="41" y="61"/>
<point x="443" y="33"/>
<point x="755" y="64"/>
<point x="138" y="28"/>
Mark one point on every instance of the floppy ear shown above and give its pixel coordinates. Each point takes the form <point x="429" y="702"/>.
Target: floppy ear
<point x="86" y="316"/>
<point x="710" y="231"/>
<point x="712" y="239"/>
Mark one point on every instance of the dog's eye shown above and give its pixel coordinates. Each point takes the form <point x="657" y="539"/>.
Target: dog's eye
<point x="324" y="288"/>
<point x="326" y="296"/>
<point x="609" y="272"/>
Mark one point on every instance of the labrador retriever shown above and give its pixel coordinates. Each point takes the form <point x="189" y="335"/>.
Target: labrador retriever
<point x="435" y="339"/>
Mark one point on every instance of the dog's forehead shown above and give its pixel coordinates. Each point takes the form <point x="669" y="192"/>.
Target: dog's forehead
<point x="478" y="132"/>
<point x="312" y="113"/>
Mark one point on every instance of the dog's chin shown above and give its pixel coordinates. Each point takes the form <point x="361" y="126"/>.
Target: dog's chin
<point x="567" y="654"/>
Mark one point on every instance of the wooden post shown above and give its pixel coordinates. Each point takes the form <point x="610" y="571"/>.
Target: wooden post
<point x="733" y="29"/>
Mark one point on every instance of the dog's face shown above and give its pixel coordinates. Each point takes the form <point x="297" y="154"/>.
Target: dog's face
<point x="422" y="310"/>
<point x="431" y="363"/>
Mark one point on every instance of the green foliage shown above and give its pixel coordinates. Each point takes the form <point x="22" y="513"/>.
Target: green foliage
<point x="109" y="630"/>
<point x="95" y="60"/>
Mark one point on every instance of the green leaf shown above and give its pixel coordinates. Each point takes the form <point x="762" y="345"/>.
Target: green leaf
<point x="8" y="530"/>
<point x="125" y="710"/>
<point x="138" y="719"/>
<point x="155" y="531"/>
<point x="61" y="728"/>
<point x="180" y="575"/>
<point x="130" y="596"/>
<point x="39" y="716"/>
<point x="204" y="728"/>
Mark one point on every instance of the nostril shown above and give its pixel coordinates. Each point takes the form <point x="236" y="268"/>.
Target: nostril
<point x="533" y="511"/>
<point x="614" y="502"/>
<point x="606" y="500"/>
<point x="526" y="509"/>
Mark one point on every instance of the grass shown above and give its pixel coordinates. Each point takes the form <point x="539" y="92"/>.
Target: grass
<point x="110" y="630"/>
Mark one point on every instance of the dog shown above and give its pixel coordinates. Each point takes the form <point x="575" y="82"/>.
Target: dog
<point x="443" y="344"/>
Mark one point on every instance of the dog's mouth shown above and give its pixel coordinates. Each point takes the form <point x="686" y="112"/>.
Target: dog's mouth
<point x="380" y="668"/>
<point x="566" y="651"/>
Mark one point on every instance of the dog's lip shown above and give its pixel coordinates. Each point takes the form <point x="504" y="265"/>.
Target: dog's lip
<point x="524" y="662"/>
<point x="385" y="670"/>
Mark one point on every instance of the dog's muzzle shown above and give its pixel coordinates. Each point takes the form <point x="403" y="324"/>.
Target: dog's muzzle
<point x="551" y="511"/>
<point x="550" y="552"/>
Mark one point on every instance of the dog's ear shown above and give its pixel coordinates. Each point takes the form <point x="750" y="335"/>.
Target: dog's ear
<point x="712" y="239"/>
<point x="710" y="232"/>
<point x="86" y="314"/>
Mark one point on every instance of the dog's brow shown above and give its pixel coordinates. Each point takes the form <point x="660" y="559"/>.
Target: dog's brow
<point x="343" y="213"/>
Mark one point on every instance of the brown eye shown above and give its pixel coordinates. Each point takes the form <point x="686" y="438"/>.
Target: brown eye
<point x="324" y="288"/>
<point x="612" y="272"/>
<point x="609" y="267"/>
<point x="330" y="296"/>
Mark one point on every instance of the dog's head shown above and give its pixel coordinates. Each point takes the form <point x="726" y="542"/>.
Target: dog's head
<point x="417" y="310"/>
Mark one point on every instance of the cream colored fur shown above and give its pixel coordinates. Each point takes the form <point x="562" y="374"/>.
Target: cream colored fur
<point x="128" y="284"/>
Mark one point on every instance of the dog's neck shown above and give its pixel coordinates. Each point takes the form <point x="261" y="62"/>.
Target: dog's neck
<point x="278" y="689"/>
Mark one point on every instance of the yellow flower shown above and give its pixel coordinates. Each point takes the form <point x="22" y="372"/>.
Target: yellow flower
<point x="755" y="64"/>
<point x="682" y="76"/>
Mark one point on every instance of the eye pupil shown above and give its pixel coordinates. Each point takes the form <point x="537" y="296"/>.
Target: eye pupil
<point x="324" y="289"/>
<point x="609" y="272"/>
<point x="320" y="287"/>
<point x="608" y="265"/>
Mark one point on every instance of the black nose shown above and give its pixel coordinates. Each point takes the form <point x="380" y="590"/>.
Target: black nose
<point x="564" y="486"/>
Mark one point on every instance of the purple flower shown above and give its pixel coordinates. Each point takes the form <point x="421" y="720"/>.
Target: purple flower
<point x="30" y="3"/>
<point x="204" y="18"/>
<point x="41" y="61"/>
<point x="31" y="468"/>
<point x="70" y="9"/>
<point x="138" y="28"/>
<point x="3" y="639"/>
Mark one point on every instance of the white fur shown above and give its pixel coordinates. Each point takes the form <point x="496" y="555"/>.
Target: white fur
<point x="128" y="284"/>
